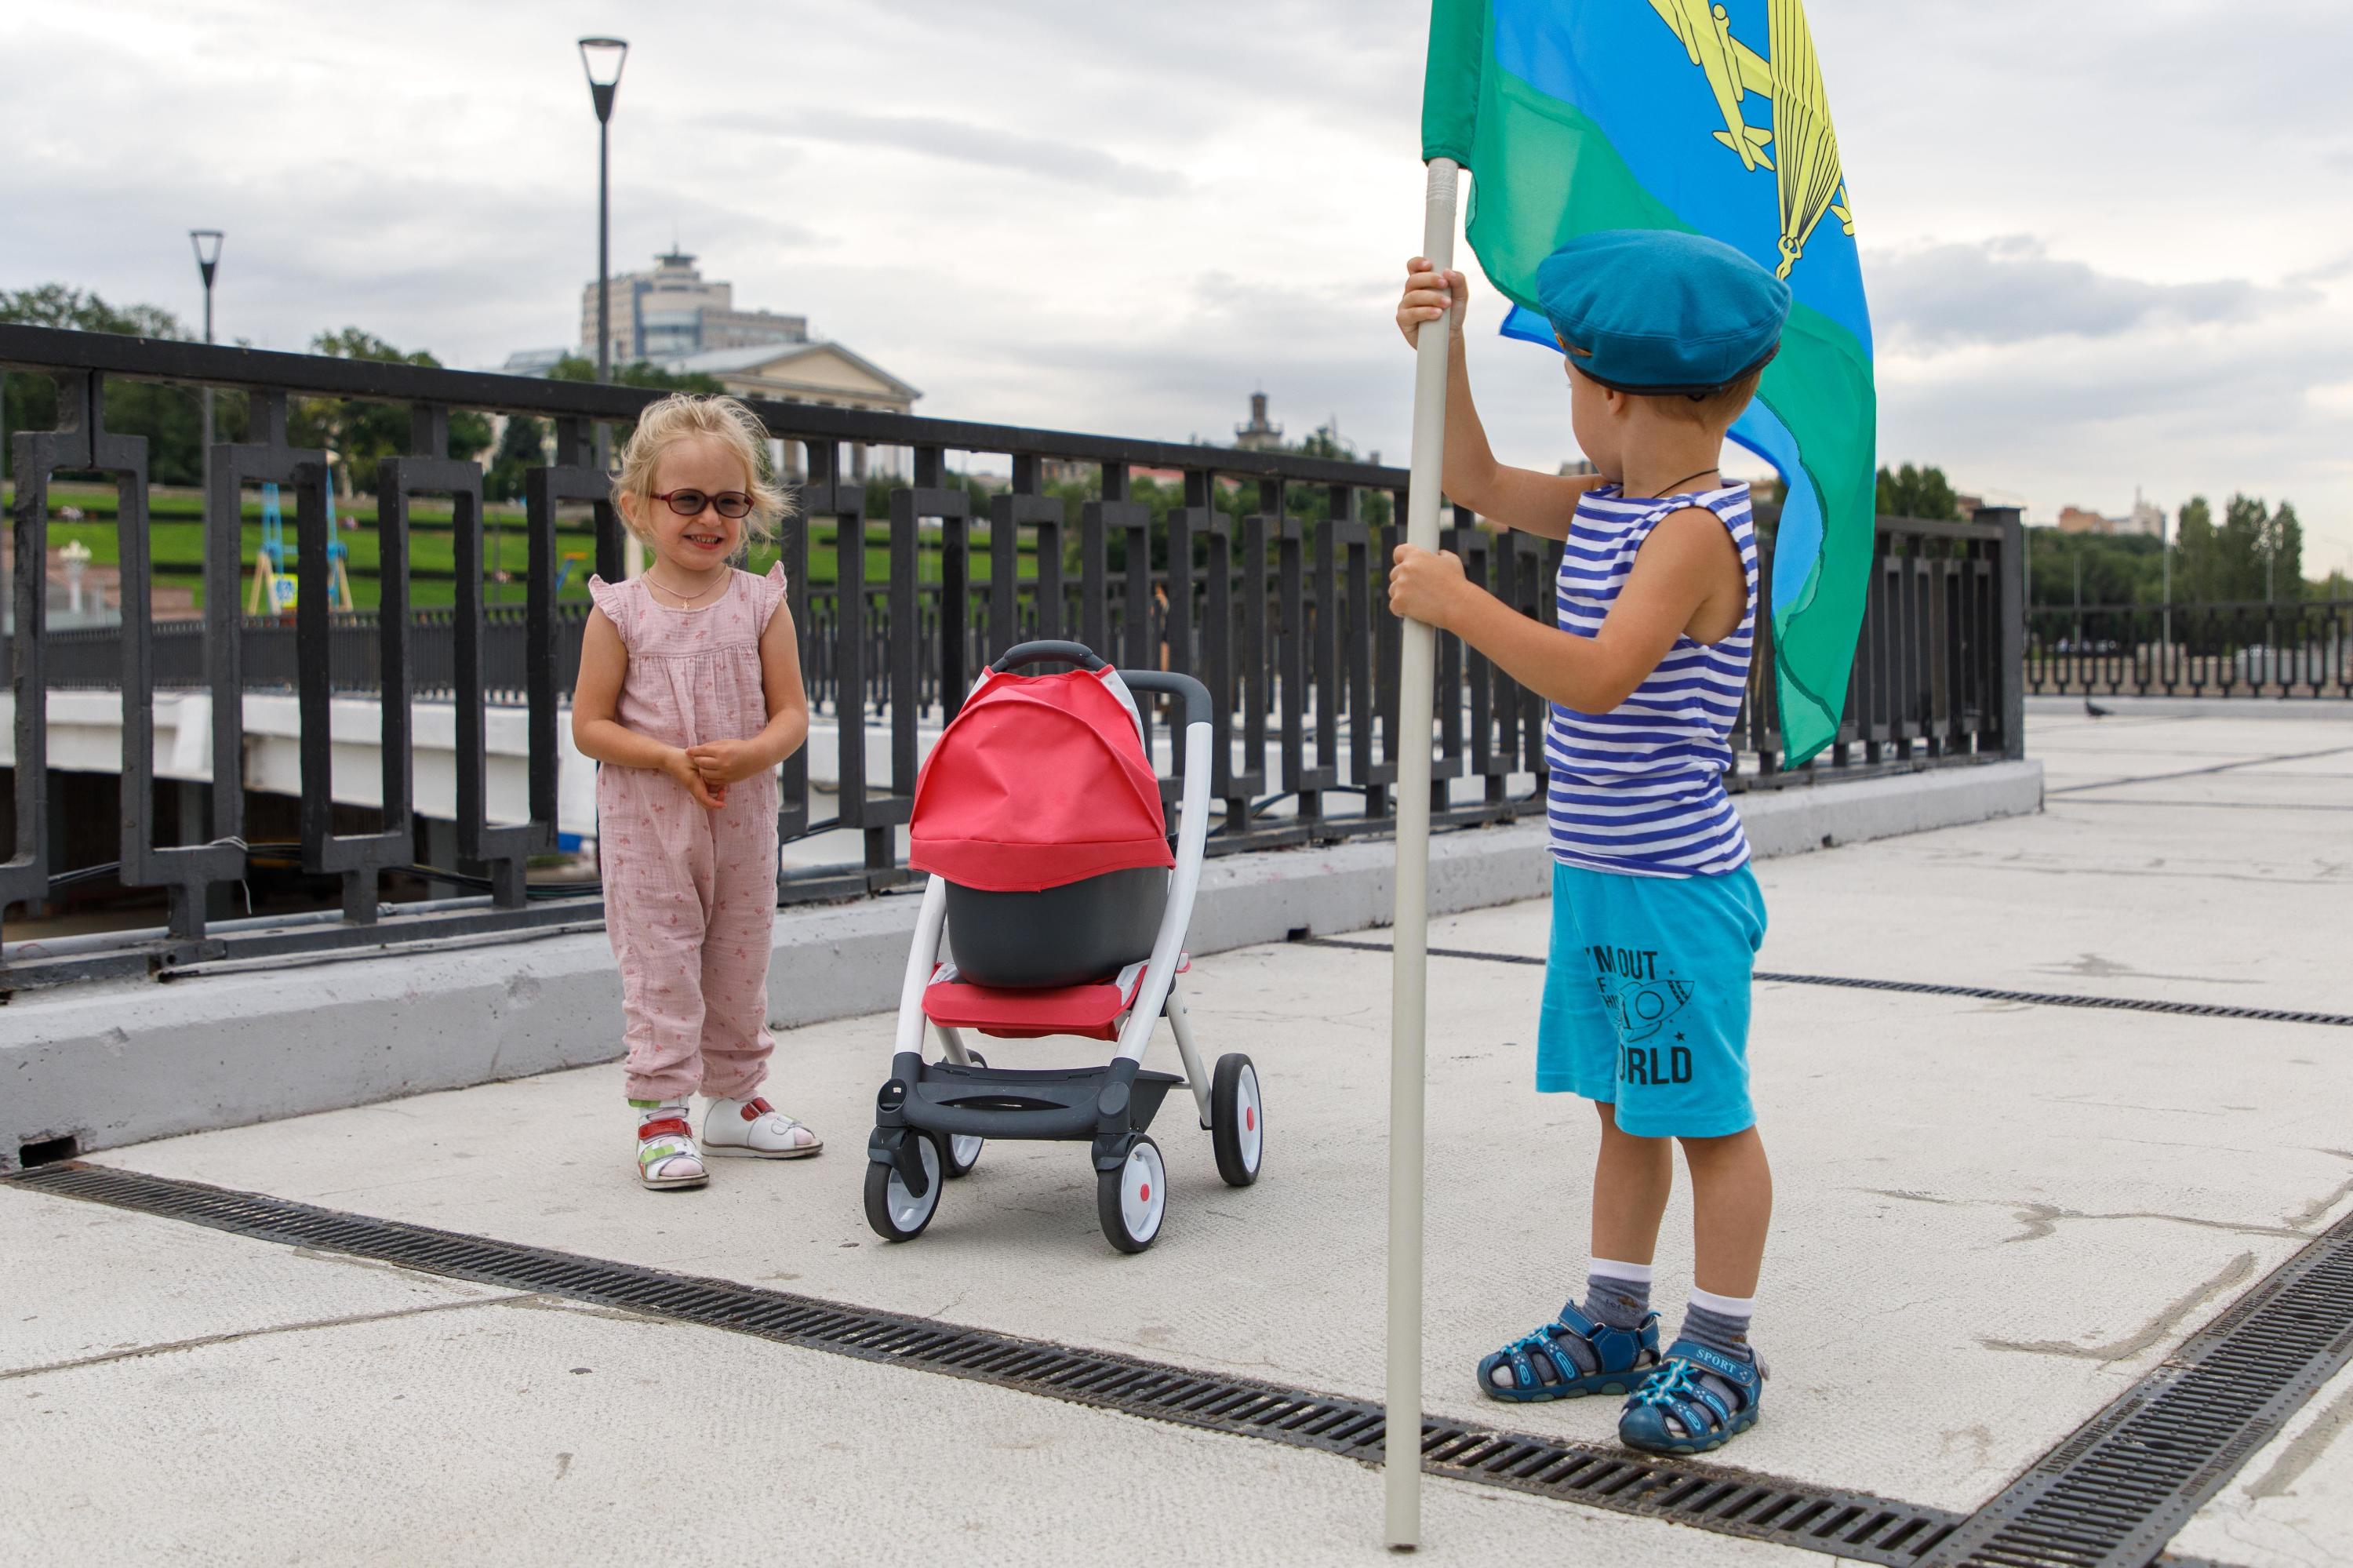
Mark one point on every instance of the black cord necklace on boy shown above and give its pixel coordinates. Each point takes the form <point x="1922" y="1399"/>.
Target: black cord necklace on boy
<point x="1669" y="490"/>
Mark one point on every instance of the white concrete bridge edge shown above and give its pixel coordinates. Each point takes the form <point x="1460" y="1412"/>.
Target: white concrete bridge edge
<point x="85" y="736"/>
<point x="123" y="1062"/>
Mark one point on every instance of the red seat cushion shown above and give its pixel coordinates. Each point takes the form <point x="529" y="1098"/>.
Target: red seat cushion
<point x="1089" y="1011"/>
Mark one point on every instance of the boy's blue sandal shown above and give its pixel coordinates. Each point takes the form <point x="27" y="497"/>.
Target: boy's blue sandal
<point x="1678" y="1396"/>
<point x="1543" y="1368"/>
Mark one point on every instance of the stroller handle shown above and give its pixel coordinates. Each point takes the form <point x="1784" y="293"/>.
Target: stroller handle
<point x="1195" y="695"/>
<point x="1049" y="651"/>
<point x="1170" y="684"/>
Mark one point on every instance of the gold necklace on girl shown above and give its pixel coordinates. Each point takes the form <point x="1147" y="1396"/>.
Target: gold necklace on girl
<point x="687" y="601"/>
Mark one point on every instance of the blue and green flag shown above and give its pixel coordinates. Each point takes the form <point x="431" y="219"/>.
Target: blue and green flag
<point x="1577" y="115"/>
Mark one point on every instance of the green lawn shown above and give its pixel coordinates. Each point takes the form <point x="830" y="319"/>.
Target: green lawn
<point x="176" y="538"/>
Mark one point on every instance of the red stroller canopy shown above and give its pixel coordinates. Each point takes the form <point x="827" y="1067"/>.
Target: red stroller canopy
<point x="1041" y="781"/>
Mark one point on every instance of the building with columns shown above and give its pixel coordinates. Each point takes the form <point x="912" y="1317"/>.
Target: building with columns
<point x="825" y="373"/>
<point x="676" y="318"/>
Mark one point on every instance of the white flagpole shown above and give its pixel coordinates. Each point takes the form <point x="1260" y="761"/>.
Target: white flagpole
<point x="1417" y="680"/>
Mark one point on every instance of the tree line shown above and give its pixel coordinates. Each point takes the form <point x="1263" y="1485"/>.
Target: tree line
<point x="355" y="433"/>
<point x="2255" y="553"/>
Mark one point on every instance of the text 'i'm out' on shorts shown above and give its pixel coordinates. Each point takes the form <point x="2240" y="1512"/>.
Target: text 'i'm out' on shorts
<point x="1646" y="998"/>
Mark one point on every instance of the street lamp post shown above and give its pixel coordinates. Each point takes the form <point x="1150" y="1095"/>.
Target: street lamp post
<point x="2165" y="555"/>
<point x="601" y="59"/>
<point x="208" y="244"/>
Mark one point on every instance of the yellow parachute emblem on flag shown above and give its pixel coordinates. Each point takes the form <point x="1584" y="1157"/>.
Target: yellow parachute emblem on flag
<point x="1808" y="173"/>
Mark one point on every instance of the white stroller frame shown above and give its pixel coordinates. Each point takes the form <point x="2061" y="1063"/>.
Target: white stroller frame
<point x="1111" y="1106"/>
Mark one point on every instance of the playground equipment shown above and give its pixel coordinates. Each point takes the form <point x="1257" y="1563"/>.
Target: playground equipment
<point x="274" y="585"/>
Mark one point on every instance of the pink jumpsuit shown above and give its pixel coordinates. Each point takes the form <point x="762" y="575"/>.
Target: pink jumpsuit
<point x="691" y="893"/>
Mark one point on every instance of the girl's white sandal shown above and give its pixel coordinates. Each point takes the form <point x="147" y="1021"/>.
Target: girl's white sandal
<point x="756" y="1128"/>
<point x="667" y="1156"/>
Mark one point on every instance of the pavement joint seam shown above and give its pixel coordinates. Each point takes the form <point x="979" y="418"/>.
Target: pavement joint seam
<point x="2161" y="805"/>
<point x="2042" y="1219"/>
<point x="1926" y="988"/>
<point x="203" y="1341"/>
<point x="2199" y="772"/>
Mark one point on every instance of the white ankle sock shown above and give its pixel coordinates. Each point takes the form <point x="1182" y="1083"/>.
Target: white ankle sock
<point x="1741" y="1307"/>
<point x="1639" y="1273"/>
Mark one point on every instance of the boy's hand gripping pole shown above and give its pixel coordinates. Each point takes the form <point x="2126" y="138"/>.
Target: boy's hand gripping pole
<point x="1407" y="1009"/>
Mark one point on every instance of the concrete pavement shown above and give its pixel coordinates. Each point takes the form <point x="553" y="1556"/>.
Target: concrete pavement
<point x="247" y="1404"/>
<point x="1993" y="1218"/>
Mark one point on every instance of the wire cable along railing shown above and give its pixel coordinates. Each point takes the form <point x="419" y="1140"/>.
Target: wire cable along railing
<point x="1261" y="573"/>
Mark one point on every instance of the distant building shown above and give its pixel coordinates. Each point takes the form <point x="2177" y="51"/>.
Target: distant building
<point x="1077" y="470"/>
<point x="825" y="373"/>
<point x="674" y="311"/>
<point x="1258" y="436"/>
<point x="675" y="318"/>
<point x="1578" y="468"/>
<point x="533" y="361"/>
<point x="2145" y="519"/>
<point x="1968" y="506"/>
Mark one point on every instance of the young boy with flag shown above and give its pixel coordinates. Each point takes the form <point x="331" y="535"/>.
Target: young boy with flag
<point x="1656" y="915"/>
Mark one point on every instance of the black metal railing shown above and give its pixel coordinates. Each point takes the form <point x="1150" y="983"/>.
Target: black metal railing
<point x="1279" y="614"/>
<point x="90" y="658"/>
<point x="2284" y="648"/>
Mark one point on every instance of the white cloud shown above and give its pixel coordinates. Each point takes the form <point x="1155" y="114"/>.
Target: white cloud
<point x="1125" y="218"/>
<point x="2012" y="289"/>
<point x="964" y="141"/>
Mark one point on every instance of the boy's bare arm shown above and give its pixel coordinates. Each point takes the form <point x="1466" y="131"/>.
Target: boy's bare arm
<point x="1682" y="569"/>
<point x="1522" y="498"/>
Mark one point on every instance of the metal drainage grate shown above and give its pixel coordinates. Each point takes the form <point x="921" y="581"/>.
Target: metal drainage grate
<point x="1927" y="988"/>
<point x="1789" y="1513"/>
<point x="2117" y="1491"/>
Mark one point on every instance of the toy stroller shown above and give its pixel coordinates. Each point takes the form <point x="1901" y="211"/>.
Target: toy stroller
<point x="1038" y="816"/>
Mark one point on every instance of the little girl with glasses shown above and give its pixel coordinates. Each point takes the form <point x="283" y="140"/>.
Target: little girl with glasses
<point x="690" y="694"/>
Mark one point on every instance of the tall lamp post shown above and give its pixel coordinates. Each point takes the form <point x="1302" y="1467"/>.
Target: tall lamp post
<point x="601" y="59"/>
<point x="207" y="243"/>
<point x="2165" y="556"/>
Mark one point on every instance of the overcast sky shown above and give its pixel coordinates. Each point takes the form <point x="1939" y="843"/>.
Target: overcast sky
<point x="2109" y="243"/>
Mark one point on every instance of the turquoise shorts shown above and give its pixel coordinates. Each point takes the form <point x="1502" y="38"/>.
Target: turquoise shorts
<point x="1646" y="998"/>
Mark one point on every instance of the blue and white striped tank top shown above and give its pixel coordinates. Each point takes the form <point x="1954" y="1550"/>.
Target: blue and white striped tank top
<point x="1640" y="791"/>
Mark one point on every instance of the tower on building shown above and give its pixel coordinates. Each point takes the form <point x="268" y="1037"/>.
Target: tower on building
<point x="1258" y="436"/>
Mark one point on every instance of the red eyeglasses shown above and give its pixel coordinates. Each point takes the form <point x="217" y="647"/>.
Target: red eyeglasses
<point x="691" y="502"/>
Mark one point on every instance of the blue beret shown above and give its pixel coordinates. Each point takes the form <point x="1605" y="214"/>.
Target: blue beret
<point x="1656" y="311"/>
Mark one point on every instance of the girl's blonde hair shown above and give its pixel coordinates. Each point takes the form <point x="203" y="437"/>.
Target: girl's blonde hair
<point x="684" y="416"/>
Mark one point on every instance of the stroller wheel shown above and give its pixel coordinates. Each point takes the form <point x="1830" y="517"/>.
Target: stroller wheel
<point x="1237" y="1120"/>
<point x="896" y="1213"/>
<point x="1132" y="1200"/>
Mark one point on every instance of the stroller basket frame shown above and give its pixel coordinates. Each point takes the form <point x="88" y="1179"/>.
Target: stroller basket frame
<point x="931" y="1117"/>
